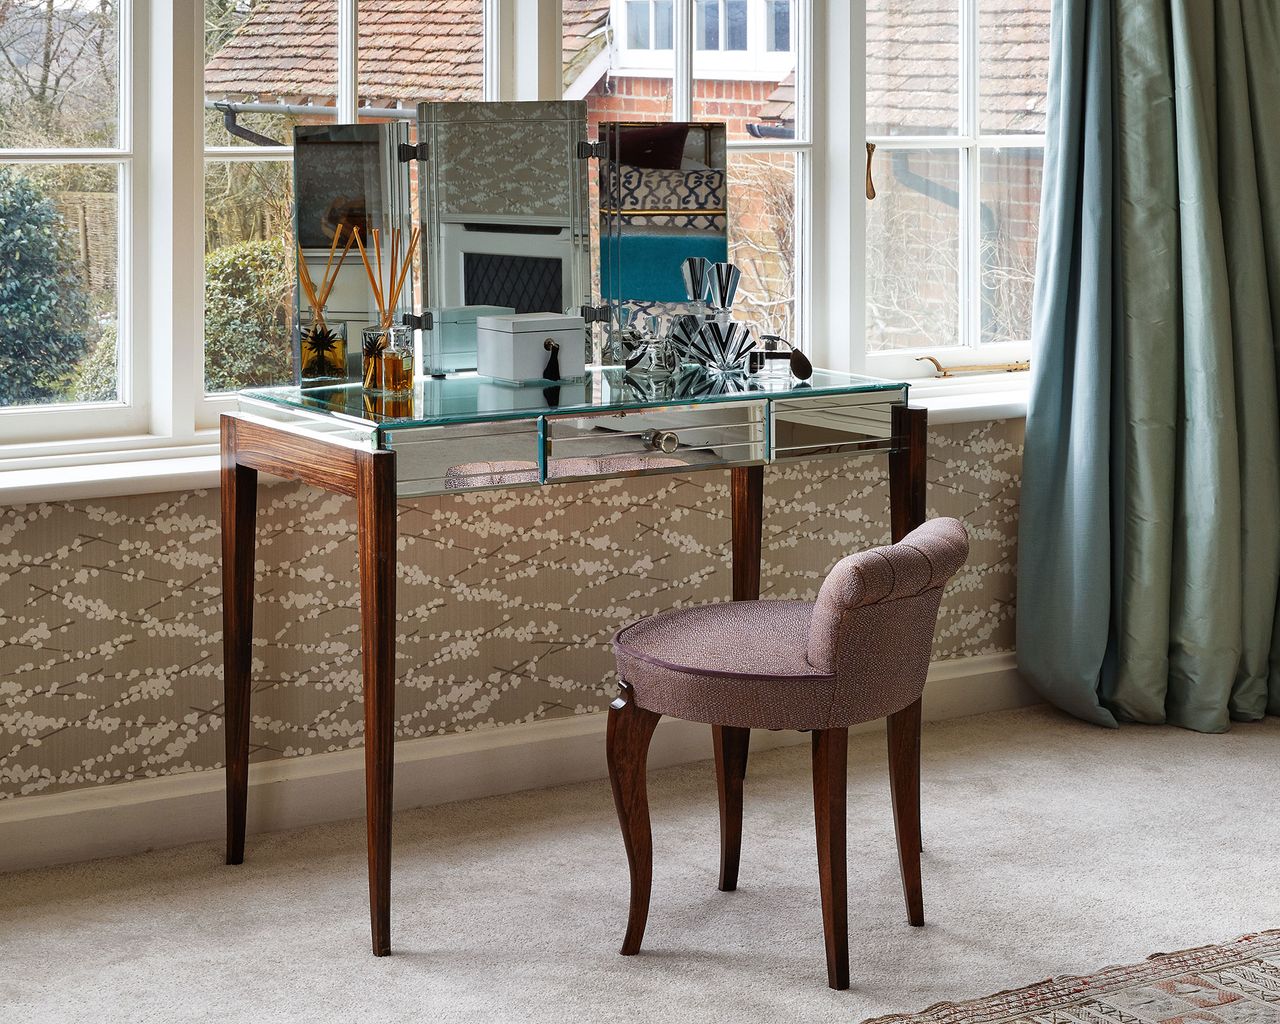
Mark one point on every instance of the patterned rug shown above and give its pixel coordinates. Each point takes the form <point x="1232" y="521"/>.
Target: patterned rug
<point x="1235" y="983"/>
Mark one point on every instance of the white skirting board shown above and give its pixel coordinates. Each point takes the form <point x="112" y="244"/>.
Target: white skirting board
<point x="146" y="814"/>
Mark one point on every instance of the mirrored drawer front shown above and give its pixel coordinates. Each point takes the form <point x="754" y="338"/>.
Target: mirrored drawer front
<point x="807" y="428"/>
<point x="656" y="441"/>
<point x="468" y="457"/>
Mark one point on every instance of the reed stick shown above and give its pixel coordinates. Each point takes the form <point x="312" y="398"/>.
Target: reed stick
<point x="327" y="286"/>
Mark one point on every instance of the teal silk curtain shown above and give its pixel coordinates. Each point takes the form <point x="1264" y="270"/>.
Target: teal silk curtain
<point x="1149" y="540"/>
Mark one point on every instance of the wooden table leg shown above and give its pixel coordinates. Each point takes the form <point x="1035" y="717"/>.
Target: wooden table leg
<point x="908" y="484"/>
<point x="731" y="744"/>
<point x="239" y="515"/>
<point x="747" y="496"/>
<point x="376" y="515"/>
<point x="908" y="470"/>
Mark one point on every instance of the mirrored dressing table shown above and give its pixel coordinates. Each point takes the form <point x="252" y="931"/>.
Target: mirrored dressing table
<point x="467" y="432"/>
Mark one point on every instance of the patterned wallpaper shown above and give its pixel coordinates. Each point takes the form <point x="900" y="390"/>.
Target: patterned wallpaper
<point x="110" y="617"/>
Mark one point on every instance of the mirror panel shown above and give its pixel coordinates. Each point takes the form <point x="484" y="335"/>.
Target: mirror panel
<point x="504" y="214"/>
<point x="663" y="199"/>
<point x="345" y="177"/>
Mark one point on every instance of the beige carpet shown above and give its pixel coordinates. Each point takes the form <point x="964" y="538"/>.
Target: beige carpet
<point x="1052" y="848"/>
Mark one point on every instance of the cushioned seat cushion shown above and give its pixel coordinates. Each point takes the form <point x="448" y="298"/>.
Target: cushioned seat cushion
<point x="741" y="664"/>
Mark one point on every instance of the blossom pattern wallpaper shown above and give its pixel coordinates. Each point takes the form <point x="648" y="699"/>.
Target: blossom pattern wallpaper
<point x="111" y="619"/>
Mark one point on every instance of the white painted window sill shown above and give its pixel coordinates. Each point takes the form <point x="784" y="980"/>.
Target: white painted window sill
<point x="962" y="400"/>
<point x="978" y="399"/>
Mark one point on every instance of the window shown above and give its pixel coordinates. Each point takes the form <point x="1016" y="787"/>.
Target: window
<point x="763" y="103"/>
<point x="748" y="39"/>
<point x="66" y="175"/>
<point x="955" y="103"/>
<point x="720" y="25"/>
<point x="649" y="24"/>
<point x="252" y="105"/>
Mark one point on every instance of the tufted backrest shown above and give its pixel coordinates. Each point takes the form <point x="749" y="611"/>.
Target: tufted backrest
<point x="875" y="616"/>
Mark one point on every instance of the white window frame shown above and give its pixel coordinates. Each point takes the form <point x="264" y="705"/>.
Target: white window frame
<point x="755" y="63"/>
<point x="54" y="426"/>
<point x="968" y="143"/>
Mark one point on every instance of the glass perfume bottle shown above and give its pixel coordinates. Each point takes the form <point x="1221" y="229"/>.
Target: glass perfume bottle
<point x="388" y="360"/>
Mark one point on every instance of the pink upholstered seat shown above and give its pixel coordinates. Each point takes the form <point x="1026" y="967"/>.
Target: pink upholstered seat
<point x="857" y="653"/>
<point x="860" y="652"/>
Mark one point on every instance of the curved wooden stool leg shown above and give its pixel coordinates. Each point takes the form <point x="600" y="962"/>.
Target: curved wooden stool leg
<point x="627" y="748"/>
<point x="904" y="787"/>
<point x="731" y="745"/>
<point x="830" y="785"/>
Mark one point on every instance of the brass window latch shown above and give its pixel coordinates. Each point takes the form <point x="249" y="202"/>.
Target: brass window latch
<point x="871" y="185"/>
<point x="951" y="371"/>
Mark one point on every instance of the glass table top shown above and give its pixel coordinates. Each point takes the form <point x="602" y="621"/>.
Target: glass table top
<point x="471" y="398"/>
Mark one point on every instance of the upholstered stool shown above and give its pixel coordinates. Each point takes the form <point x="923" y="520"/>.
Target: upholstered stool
<point x="858" y="653"/>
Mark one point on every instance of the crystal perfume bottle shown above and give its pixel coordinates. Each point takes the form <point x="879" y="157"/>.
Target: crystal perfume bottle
<point x="388" y="360"/>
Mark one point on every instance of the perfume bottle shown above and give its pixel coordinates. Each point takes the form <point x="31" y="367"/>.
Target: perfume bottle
<point x="388" y="360"/>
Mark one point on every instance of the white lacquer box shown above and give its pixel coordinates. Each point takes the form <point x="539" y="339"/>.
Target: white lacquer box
<point x="518" y="348"/>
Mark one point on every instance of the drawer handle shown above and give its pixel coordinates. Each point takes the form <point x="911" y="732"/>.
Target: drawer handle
<point x="664" y="441"/>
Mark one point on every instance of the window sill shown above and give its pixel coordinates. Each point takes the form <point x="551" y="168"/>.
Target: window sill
<point x="958" y="400"/>
<point x="977" y="399"/>
<point x="108" y="479"/>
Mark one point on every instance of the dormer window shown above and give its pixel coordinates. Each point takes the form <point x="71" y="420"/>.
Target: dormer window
<point x="648" y="25"/>
<point x="735" y="40"/>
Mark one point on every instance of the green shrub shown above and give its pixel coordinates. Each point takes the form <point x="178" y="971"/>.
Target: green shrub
<point x="96" y="378"/>
<point x="248" y="289"/>
<point x="46" y="323"/>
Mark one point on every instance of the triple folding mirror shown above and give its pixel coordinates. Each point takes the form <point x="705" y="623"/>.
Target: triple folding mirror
<point x="504" y="226"/>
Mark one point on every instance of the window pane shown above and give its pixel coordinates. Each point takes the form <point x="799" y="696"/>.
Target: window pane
<point x="1010" y="221"/>
<point x="913" y="67"/>
<point x="59" y="331"/>
<point x="636" y="83"/>
<point x="754" y="93"/>
<point x="663" y="29"/>
<point x="706" y="25"/>
<point x="59" y="74"/>
<point x="762" y="239"/>
<point x="735" y="33"/>
<point x="248" y="273"/>
<point x="1014" y="65"/>
<point x="638" y="24"/>
<point x="778" y="25"/>
<point x="913" y="251"/>
<point x="262" y="52"/>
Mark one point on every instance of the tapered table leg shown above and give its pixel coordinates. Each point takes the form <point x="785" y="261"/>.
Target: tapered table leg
<point x="908" y="470"/>
<point x="747" y="495"/>
<point x="830" y="786"/>
<point x="731" y="744"/>
<point x="908" y="486"/>
<point x="239" y="514"/>
<point x="376" y="514"/>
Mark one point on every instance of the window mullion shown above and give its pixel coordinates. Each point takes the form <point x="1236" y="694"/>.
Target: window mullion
<point x="970" y="311"/>
<point x="348" y="61"/>
<point x="682" y="50"/>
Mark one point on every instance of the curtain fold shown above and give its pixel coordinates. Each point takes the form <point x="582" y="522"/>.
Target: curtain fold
<point x="1149" y="561"/>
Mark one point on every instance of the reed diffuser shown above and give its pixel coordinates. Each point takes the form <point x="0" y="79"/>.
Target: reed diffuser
<point x="322" y="346"/>
<point x="387" y="348"/>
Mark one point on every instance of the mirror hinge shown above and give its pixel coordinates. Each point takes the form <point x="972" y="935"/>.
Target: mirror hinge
<point x="425" y="322"/>
<point x="592" y="150"/>
<point x="595" y="314"/>
<point x="409" y="152"/>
